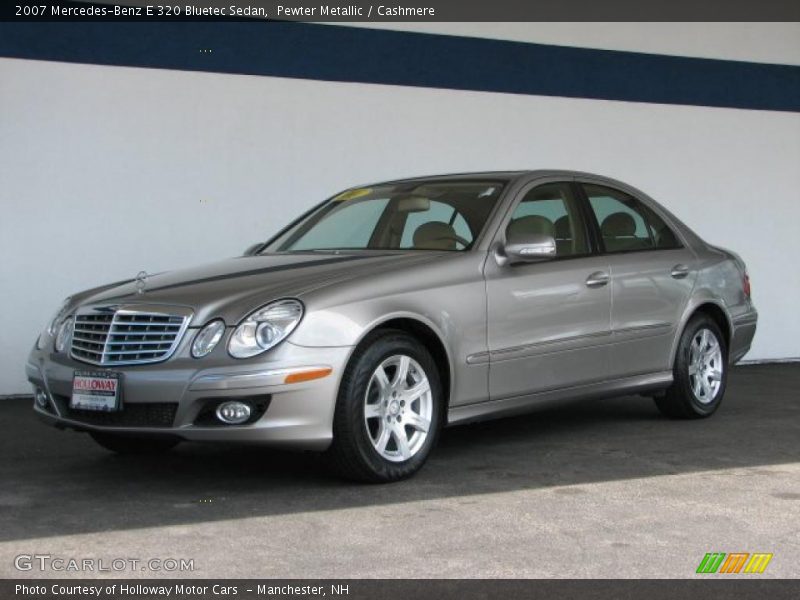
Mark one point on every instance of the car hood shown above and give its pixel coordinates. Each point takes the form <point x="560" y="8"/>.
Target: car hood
<point x="232" y="288"/>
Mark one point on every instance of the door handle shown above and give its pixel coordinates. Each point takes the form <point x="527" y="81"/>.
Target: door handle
<point x="679" y="271"/>
<point x="597" y="279"/>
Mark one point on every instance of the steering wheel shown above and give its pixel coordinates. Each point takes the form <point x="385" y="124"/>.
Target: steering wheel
<point x="456" y="238"/>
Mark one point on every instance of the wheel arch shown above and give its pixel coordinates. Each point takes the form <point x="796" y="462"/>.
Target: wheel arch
<point x="712" y="307"/>
<point x="427" y="334"/>
<point x="719" y="316"/>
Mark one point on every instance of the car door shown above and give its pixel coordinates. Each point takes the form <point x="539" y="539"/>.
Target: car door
<point x="652" y="276"/>
<point x="548" y="321"/>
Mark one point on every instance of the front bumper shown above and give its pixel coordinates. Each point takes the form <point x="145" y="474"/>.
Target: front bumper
<point x="173" y="397"/>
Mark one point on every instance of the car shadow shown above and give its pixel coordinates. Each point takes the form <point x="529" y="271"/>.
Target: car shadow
<point x="57" y="483"/>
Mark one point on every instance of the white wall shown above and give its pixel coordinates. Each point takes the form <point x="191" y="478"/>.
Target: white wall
<point x="107" y="171"/>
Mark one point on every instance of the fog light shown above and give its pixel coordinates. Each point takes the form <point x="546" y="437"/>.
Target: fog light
<point x="233" y="412"/>
<point x="41" y="398"/>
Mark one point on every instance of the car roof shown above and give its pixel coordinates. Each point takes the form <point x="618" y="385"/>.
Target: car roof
<point x="494" y="176"/>
<point x="477" y="175"/>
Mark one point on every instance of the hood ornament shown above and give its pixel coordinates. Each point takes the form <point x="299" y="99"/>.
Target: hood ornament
<point x="141" y="282"/>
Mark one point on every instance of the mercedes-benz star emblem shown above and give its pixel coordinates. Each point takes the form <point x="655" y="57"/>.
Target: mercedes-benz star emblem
<point x="141" y="282"/>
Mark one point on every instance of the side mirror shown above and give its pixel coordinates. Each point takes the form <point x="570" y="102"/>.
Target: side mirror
<point x="251" y="250"/>
<point x="533" y="247"/>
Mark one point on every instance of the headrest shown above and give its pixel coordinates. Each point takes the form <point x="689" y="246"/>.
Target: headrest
<point x="522" y="227"/>
<point x="618" y="224"/>
<point x="562" y="228"/>
<point x="435" y="235"/>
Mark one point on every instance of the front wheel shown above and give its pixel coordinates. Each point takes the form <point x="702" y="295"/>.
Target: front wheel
<point x="388" y="411"/>
<point x="131" y="444"/>
<point x="700" y="372"/>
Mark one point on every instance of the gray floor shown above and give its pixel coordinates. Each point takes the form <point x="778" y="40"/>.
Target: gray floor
<point x="600" y="489"/>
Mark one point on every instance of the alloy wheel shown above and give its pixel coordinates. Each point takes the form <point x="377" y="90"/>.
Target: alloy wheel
<point x="398" y="408"/>
<point x="705" y="365"/>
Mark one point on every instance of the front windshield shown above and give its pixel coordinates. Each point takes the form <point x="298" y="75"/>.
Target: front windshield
<point x="429" y="215"/>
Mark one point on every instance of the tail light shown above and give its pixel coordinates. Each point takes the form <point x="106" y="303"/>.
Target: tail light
<point x="746" y="285"/>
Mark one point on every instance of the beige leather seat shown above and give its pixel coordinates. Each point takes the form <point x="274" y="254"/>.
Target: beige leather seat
<point x="619" y="232"/>
<point x="564" y="241"/>
<point x="522" y="227"/>
<point x="435" y="236"/>
<point x="562" y="229"/>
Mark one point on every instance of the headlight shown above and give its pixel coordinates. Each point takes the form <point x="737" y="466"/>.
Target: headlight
<point x="64" y="334"/>
<point x="265" y="328"/>
<point x="52" y="325"/>
<point x="207" y="338"/>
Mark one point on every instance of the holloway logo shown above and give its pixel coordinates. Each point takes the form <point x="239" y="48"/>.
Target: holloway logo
<point x="716" y="562"/>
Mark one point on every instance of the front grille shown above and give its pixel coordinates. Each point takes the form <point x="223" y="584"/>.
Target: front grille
<point x="140" y="414"/>
<point x="126" y="337"/>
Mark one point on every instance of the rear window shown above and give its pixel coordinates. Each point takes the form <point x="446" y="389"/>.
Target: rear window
<point x="626" y="224"/>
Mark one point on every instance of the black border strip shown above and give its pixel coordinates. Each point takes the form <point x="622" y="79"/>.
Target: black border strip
<point x="435" y="10"/>
<point x="708" y="587"/>
<point x="360" y="55"/>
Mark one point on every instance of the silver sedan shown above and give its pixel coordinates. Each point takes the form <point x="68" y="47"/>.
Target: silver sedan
<point x="391" y="310"/>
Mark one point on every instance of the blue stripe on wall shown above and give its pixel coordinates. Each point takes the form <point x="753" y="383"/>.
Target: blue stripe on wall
<point x="330" y="53"/>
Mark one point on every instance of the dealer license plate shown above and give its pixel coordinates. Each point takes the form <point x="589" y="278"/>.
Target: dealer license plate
<point x="95" y="391"/>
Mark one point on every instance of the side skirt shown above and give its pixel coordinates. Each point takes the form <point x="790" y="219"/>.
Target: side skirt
<point x="492" y="409"/>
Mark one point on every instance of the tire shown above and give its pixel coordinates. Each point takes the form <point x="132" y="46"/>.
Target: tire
<point x="374" y="412"/>
<point x="700" y="373"/>
<point x="129" y="444"/>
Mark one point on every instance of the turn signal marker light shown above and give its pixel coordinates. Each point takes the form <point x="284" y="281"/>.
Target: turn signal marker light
<point x="309" y="375"/>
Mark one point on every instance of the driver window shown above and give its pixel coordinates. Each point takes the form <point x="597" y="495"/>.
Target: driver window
<point x="438" y="228"/>
<point x="550" y="209"/>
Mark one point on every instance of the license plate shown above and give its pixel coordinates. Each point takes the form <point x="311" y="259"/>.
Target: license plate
<point x="95" y="391"/>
